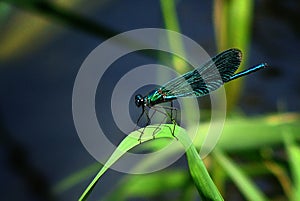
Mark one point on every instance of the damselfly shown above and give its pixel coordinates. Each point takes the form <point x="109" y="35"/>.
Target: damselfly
<point x="196" y="83"/>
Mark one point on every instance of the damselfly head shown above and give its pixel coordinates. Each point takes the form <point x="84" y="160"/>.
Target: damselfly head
<point x="139" y="100"/>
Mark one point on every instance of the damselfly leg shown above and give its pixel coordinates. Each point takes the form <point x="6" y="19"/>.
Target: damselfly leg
<point x="161" y="110"/>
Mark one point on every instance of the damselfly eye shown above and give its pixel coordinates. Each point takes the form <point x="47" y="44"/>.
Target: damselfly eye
<point x="139" y="100"/>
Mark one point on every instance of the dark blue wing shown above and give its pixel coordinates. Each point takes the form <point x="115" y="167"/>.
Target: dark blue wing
<point x="206" y="78"/>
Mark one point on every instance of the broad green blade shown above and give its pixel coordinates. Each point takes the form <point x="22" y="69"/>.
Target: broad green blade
<point x="128" y="143"/>
<point x="202" y="180"/>
<point x="204" y="184"/>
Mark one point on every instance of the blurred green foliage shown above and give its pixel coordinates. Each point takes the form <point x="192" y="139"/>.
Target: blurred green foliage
<point x="232" y="21"/>
<point x="254" y="141"/>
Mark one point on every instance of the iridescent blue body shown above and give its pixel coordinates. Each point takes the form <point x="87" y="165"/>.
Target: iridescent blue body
<point x="199" y="82"/>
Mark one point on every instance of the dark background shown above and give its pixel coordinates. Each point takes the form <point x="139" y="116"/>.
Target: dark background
<point x="39" y="143"/>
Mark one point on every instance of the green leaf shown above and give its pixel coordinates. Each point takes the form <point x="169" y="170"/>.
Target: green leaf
<point x="232" y="22"/>
<point x="128" y="143"/>
<point x="245" y="185"/>
<point x="203" y="182"/>
<point x="293" y="151"/>
<point x="252" y="133"/>
<point x="149" y="185"/>
<point x="76" y="178"/>
<point x="170" y="17"/>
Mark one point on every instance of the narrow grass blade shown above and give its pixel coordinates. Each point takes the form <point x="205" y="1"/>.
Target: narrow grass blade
<point x="232" y="22"/>
<point x="245" y="185"/>
<point x="76" y="178"/>
<point x="293" y="151"/>
<point x="170" y="18"/>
